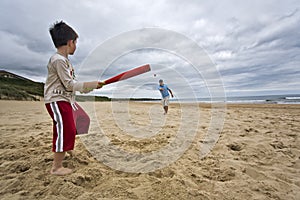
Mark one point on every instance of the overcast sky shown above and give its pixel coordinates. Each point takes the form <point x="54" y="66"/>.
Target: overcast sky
<point x="255" y="45"/>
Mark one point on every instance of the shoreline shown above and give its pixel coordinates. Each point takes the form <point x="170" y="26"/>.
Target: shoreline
<point x="201" y="104"/>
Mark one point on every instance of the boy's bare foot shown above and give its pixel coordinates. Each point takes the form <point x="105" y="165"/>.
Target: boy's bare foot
<point x="61" y="171"/>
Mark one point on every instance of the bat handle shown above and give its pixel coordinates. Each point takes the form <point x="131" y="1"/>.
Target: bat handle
<point x="100" y="84"/>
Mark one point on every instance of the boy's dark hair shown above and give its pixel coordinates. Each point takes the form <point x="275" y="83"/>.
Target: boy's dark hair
<point x="61" y="33"/>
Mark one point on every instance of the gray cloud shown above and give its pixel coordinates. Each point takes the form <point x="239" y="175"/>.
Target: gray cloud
<point x="254" y="44"/>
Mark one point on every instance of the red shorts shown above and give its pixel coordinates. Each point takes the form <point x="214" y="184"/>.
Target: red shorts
<point x="67" y="122"/>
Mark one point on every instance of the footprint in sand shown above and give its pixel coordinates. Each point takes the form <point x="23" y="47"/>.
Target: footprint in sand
<point x="234" y="147"/>
<point x="254" y="174"/>
<point x="278" y="145"/>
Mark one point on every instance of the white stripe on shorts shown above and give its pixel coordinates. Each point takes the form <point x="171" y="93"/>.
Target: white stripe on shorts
<point x="59" y="127"/>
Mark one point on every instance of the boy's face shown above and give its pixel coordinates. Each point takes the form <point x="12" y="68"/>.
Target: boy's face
<point x="72" y="46"/>
<point x="161" y="83"/>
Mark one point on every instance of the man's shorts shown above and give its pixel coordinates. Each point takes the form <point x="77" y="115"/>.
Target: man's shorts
<point x="165" y="101"/>
<point x="67" y="122"/>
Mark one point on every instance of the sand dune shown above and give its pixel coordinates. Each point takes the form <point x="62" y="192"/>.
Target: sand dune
<point x="257" y="155"/>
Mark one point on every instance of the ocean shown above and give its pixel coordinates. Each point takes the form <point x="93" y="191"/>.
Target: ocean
<point x="268" y="99"/>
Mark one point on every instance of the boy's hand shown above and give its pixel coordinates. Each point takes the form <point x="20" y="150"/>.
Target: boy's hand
<point x="100" y="85"/>
<point x="172" y="95"/>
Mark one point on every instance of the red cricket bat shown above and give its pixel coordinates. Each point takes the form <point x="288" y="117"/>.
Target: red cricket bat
<point x="128" y="74"/>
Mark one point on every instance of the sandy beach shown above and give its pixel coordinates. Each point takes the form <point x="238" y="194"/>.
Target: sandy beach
<point x="256" y="157"/>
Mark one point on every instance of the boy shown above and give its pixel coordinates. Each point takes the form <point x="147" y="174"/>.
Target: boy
<point x="164" y="90"/>
<point x="68" y="117"/>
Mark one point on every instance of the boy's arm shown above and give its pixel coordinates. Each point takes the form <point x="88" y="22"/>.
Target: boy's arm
<point x="171" y="92"/>
<point x="68" y="82"/>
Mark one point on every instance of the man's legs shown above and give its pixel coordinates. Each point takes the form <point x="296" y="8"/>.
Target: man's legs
<point x="166" y="104"/>
<point x="166" y="109"/>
